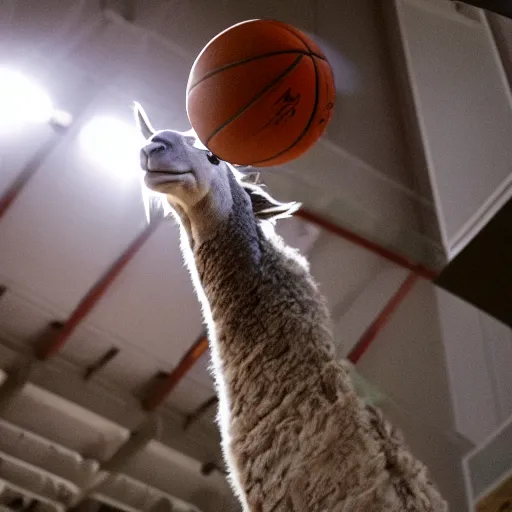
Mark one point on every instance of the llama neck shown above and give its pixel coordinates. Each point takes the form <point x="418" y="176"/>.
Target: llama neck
<point x="229" y="261"/>
<point x="294" y="433"/>
<point x="259" y="292"/>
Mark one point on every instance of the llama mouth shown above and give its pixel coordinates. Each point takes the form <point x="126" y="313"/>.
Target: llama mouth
<point x="161" y="177"/>
<point x="167" y="173"/>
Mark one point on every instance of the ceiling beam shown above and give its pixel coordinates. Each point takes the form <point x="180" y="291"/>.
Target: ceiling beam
<point x="162" y="389"/>
<point x="382" y="318"/>
<point x="355" y="238"/>
<point x="95" y="294"/>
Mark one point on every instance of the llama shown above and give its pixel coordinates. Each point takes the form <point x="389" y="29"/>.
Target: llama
<point x="295" y="435"/>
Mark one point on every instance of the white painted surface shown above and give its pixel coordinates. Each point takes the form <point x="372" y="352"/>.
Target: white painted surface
<point x="342" y="270"/>
<point x="441" y="450"/>
<point x="477" y="357"/>
<point x="463" y="105"/>
<point x="489" y="463"/>
<point x="407" y="359"/>
<point x="498" y="342"/>
<point x="366" y="307"/>
<point x="367" y="123"/>
<point x="407" y="362"/>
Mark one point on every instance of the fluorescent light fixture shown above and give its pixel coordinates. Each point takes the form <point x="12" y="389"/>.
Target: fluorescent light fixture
<point x="113" y="145"/>
<point x="22" y="102"/>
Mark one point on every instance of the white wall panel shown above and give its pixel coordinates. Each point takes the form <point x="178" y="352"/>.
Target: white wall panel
<point x="478" y="352"/>
<point x="366" y="307"/>
<point x="463" y="105"/>
<point x="407" y="359"/>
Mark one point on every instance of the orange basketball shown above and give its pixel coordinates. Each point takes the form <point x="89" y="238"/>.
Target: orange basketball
<point x="260" y="93"/>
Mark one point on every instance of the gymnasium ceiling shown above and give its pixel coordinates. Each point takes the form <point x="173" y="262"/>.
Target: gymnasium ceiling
<point x="76" y="214"/>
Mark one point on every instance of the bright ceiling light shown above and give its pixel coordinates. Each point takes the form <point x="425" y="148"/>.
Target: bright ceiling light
<point x="21" y="102"/>
<point x="113" y="145"/>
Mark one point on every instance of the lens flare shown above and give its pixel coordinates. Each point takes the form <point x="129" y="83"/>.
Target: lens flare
<point x="113" y="145"/>
<point x="22" y="102"/>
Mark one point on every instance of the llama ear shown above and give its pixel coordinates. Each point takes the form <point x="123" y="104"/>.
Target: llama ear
<point x="192" y="139"/>
<point x="266" y="207"/>
<point x="252" y="177"/>
<point x="142" y="121"/>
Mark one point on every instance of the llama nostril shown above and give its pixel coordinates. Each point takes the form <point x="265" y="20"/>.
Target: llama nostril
<point x="151" y="150"/>
<point x="143" y="159"/>
<point x="155" y="148"/>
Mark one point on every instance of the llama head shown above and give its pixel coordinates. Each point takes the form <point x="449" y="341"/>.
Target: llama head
<point x="198" y="186"/>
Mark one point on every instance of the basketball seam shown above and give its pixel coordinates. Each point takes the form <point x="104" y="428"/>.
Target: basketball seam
<point x="308" y="125"/>
<point x="302" y="41"/>
<point x="260" y="94"/>
<point x="251" y="59"/>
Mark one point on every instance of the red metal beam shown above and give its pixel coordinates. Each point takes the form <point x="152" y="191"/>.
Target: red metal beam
<point x="157" y="395"/>
<point x="94" y="295"/>
<point x="382" y="319"/>
<point x="359" y="240"/>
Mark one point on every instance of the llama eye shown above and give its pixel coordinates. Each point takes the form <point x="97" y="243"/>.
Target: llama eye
<point x="212" y="158"/>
